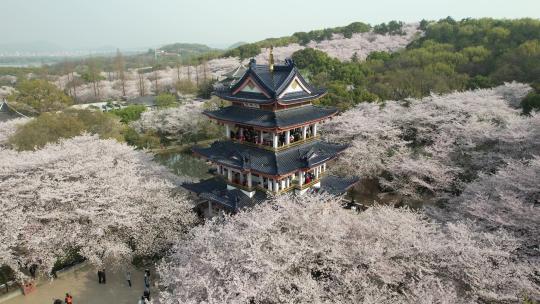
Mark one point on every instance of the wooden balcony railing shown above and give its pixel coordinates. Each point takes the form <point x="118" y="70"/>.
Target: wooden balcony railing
<point x="236" y="184"/>
<point x="280" y="148"/>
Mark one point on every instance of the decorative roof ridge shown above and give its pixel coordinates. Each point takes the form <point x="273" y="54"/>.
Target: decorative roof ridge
<point x="251" y="71"/>
<point x="285" y="84"/>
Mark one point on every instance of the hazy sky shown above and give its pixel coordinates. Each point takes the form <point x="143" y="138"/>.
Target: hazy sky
<point x="141" y="23"/>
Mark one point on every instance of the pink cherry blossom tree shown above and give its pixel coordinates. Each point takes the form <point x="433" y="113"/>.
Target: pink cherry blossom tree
<point x="8" y="128"/>
<point x="509" y="199"/>
<point x="309" y="249"/>
<point x="102" y="198"/>
<point x="177" y="121"/>
<point x="433" y="145"/>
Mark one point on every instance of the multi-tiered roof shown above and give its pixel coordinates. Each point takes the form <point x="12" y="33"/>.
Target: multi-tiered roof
<point x="272" y="143"/>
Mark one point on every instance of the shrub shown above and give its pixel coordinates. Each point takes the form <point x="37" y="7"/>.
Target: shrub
<point x="51" y="127"/>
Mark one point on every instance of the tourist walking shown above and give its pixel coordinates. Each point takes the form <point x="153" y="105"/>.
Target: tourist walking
<point x="147" y="279"/>
<point x="68" y="299"/>
<point x="146" y="293"/>
<point x="100" y="276"/>
<point x="128" y="278"/>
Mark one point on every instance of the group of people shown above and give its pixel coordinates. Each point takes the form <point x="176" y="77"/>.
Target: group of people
<point x="67" y="300"/>
<point x="102" y="279"/>
<point x="146" y="294"/>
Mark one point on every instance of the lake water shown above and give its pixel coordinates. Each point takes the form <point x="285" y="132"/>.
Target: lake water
<point x="184" y="163"/>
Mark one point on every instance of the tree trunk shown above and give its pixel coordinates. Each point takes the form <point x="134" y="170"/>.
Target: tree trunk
<point x="156" y="80"/>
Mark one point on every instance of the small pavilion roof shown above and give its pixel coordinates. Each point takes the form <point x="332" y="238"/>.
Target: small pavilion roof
<point x="272" y="119"/>
<point x="273" y="84"/>
<point x="337" y="185"/>
<point x="236" y="73"/>
<point x="215" y="190"/>
<point x="259" y="160"/>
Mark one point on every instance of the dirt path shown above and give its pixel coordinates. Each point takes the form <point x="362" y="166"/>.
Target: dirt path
<point x="83" y="285"/>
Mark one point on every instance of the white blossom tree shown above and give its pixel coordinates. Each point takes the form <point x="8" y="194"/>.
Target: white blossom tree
<point x="99" y="197"/>
<point x="509" y="199"/>
<point x="434" y="144"/>
<point x="8" y="128"/>
<point x="309" y="249"/>
<point x="177" y="121"/>
<point x="361" y="44"/>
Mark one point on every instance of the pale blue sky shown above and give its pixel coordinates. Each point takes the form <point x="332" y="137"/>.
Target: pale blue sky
<point x="138" y="23"/>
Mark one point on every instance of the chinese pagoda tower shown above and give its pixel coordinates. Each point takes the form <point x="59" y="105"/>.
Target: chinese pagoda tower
<point x="271" y="144"/>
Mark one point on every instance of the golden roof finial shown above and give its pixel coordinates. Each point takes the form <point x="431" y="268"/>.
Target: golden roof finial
<point x="271" y="58"/>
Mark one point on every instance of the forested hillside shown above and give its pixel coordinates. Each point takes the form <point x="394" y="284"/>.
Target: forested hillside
<point x="451" y="55"/>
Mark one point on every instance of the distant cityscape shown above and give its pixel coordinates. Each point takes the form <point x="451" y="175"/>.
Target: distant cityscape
<point x="36" y="59"/>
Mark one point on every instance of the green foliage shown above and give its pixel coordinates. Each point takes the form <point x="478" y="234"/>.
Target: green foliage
<point x="166" y="100"/>
<point x="244" y="51"/>
<point x="326" y="34"/>
<point x="71" y="257"/>
<point x="205" y="89"/>
<point x="37" y="96"/>
<point x="521" y="64"/>
<point x="452" y="55"/>
<point x="149" y="140"/>
<point x="530" y="103"/>
<point x="392" y="28"/>
<point x="186" y="87"/>
<point x="186" y="48"/>
<point x="6" y="275"/>
<point x="129" y="113"/>
<point x="50" y="127"/>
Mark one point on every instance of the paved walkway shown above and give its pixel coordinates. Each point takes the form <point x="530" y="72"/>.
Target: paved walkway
<point x="83" y="285"/>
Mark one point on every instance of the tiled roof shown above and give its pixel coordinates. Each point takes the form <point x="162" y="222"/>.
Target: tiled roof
<point x="148" y="100"/>
<point x="215" y="190"/>
<point x="6" y="113"/>
<point x="236" y="73"/>
<point x="274" y="83"/>
<point x="244" y="157"/>
<point x="269" y="119"/>
<point x="337" y="185"/>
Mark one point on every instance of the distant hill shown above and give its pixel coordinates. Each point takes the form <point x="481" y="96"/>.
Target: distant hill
<point x="233" y="46"/>
<point x="187" y="48"/>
